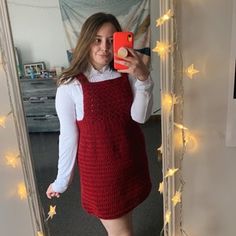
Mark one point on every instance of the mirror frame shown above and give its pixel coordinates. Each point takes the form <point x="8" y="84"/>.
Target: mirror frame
<point x="9" y="62"/>
<point x="167" y="78"/>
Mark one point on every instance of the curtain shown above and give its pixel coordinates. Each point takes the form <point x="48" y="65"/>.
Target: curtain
<point x="133" y="15"/>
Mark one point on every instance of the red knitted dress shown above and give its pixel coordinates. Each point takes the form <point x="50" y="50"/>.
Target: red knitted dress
<point x="111" y="151"/>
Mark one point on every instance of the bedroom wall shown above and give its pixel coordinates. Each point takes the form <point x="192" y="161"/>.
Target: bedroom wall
<point x="35" y="30"/>
<point x="209" y="194"/>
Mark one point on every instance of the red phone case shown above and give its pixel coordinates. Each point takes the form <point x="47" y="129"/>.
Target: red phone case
<point x="122" y="39"/>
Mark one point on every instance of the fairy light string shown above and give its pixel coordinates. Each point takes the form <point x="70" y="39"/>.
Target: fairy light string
<point x="174" y="102"/>
<point x="178" y="110"/>
<point x="163" y="49"/>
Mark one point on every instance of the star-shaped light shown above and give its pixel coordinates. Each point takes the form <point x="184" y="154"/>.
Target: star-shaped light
<point x="160" y="149"/>
<point x="168" y="100"/>
<point x="164" y="18"/>
<point x="167" y="217"/>
<point x="21" y="191"/>
<point x="3" y="121"/>
<point x="161" y="187"/>
<point x="180" y="126"/>
<point x="159" y="153"/>
<point x="40" y="233"/>
<point x="12" y="160"/>
<point x="161" y="48"/>
<point x="171" y="172"/>
<point x="52" y="212"/>
<point x="191" y="71"/>
<point x="176" y="198"/>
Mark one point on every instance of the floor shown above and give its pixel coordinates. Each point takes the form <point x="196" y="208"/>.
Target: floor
<point x="71" y="219"/>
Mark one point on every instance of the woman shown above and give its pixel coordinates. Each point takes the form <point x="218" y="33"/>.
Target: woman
<point x="99" y="110"/>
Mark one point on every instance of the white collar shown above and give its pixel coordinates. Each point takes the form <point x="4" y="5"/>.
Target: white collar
<point x="105" y="73"/>
<point x="92" y="71"/>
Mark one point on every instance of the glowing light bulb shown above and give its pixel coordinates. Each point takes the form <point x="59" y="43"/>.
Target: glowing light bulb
<point x="159" y="153"/>
<point x="171" y="172"/>
<point x="176" y="198"/>
<point x="12" y="160"/>
<point x="180" y="126"/>
<point x="164" y="18"/>
<point x="52" y="212"/>
<point x="22" y="193"/>
<point x="40" y="233"/>
<point x="191" y="71"/>
<point x="161" y="187"/>
<point x="167" y="217"/>
<point x="160" y="149"/>
<point x="168" y="100"/>
<point x="3" y="121"/>
<point x="161" y="48"/>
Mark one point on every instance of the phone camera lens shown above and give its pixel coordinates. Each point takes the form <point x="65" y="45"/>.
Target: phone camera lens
<point x="129" y="37"/>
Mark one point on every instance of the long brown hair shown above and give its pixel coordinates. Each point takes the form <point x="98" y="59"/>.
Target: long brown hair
<point x="80" y="60"/>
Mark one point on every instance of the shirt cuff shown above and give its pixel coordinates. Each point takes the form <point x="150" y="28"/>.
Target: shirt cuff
<point x="59" y="186"/>
<point x="146" y="84"/>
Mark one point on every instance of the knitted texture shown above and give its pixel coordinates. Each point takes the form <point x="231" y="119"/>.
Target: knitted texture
<point x="111" y="151"/>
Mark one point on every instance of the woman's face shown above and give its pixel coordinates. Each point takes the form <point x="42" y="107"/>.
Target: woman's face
<point x="101" y="50"/>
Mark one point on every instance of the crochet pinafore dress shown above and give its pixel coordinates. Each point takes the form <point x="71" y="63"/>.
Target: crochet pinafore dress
<point x="112" y="158"/>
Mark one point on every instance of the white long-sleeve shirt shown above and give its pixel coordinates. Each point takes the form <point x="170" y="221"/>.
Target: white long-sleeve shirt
<point x="69" y="107"/>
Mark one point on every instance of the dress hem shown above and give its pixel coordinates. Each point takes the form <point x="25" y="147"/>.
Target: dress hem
<point x="120" y="214"/>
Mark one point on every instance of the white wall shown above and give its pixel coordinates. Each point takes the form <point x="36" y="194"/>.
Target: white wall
<point x="209" y="207"/>
<point x="39" y="35"/>
<point x="38" y="31"/>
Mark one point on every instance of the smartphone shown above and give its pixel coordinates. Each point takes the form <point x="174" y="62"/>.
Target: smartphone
<point x="122" y="40"/>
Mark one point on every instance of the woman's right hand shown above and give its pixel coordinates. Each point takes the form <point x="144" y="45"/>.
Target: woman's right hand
<point x="50" y="193"/>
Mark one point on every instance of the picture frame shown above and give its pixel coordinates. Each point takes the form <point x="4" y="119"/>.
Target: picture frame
<point x="34" y="69"/>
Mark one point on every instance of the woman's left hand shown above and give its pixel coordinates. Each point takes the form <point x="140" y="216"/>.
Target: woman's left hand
<point x="136" y="66"/>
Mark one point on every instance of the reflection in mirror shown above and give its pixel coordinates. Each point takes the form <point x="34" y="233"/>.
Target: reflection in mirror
<point x="42" y="51"/>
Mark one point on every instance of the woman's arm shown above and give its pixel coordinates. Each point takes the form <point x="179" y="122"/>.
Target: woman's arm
<point x="141" y="83"/>
<point x="141" y="108"/>
<point x="68" y="139"/>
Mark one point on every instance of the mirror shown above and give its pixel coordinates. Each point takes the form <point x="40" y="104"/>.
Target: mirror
<point x="48" y="54"/>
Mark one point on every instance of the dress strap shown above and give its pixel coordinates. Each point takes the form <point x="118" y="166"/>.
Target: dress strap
<point x="81" y="78"/>
<point x="125" y="75"/>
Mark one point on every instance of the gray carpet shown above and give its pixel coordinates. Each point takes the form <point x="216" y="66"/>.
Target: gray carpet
<point x="71" y="219"/>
